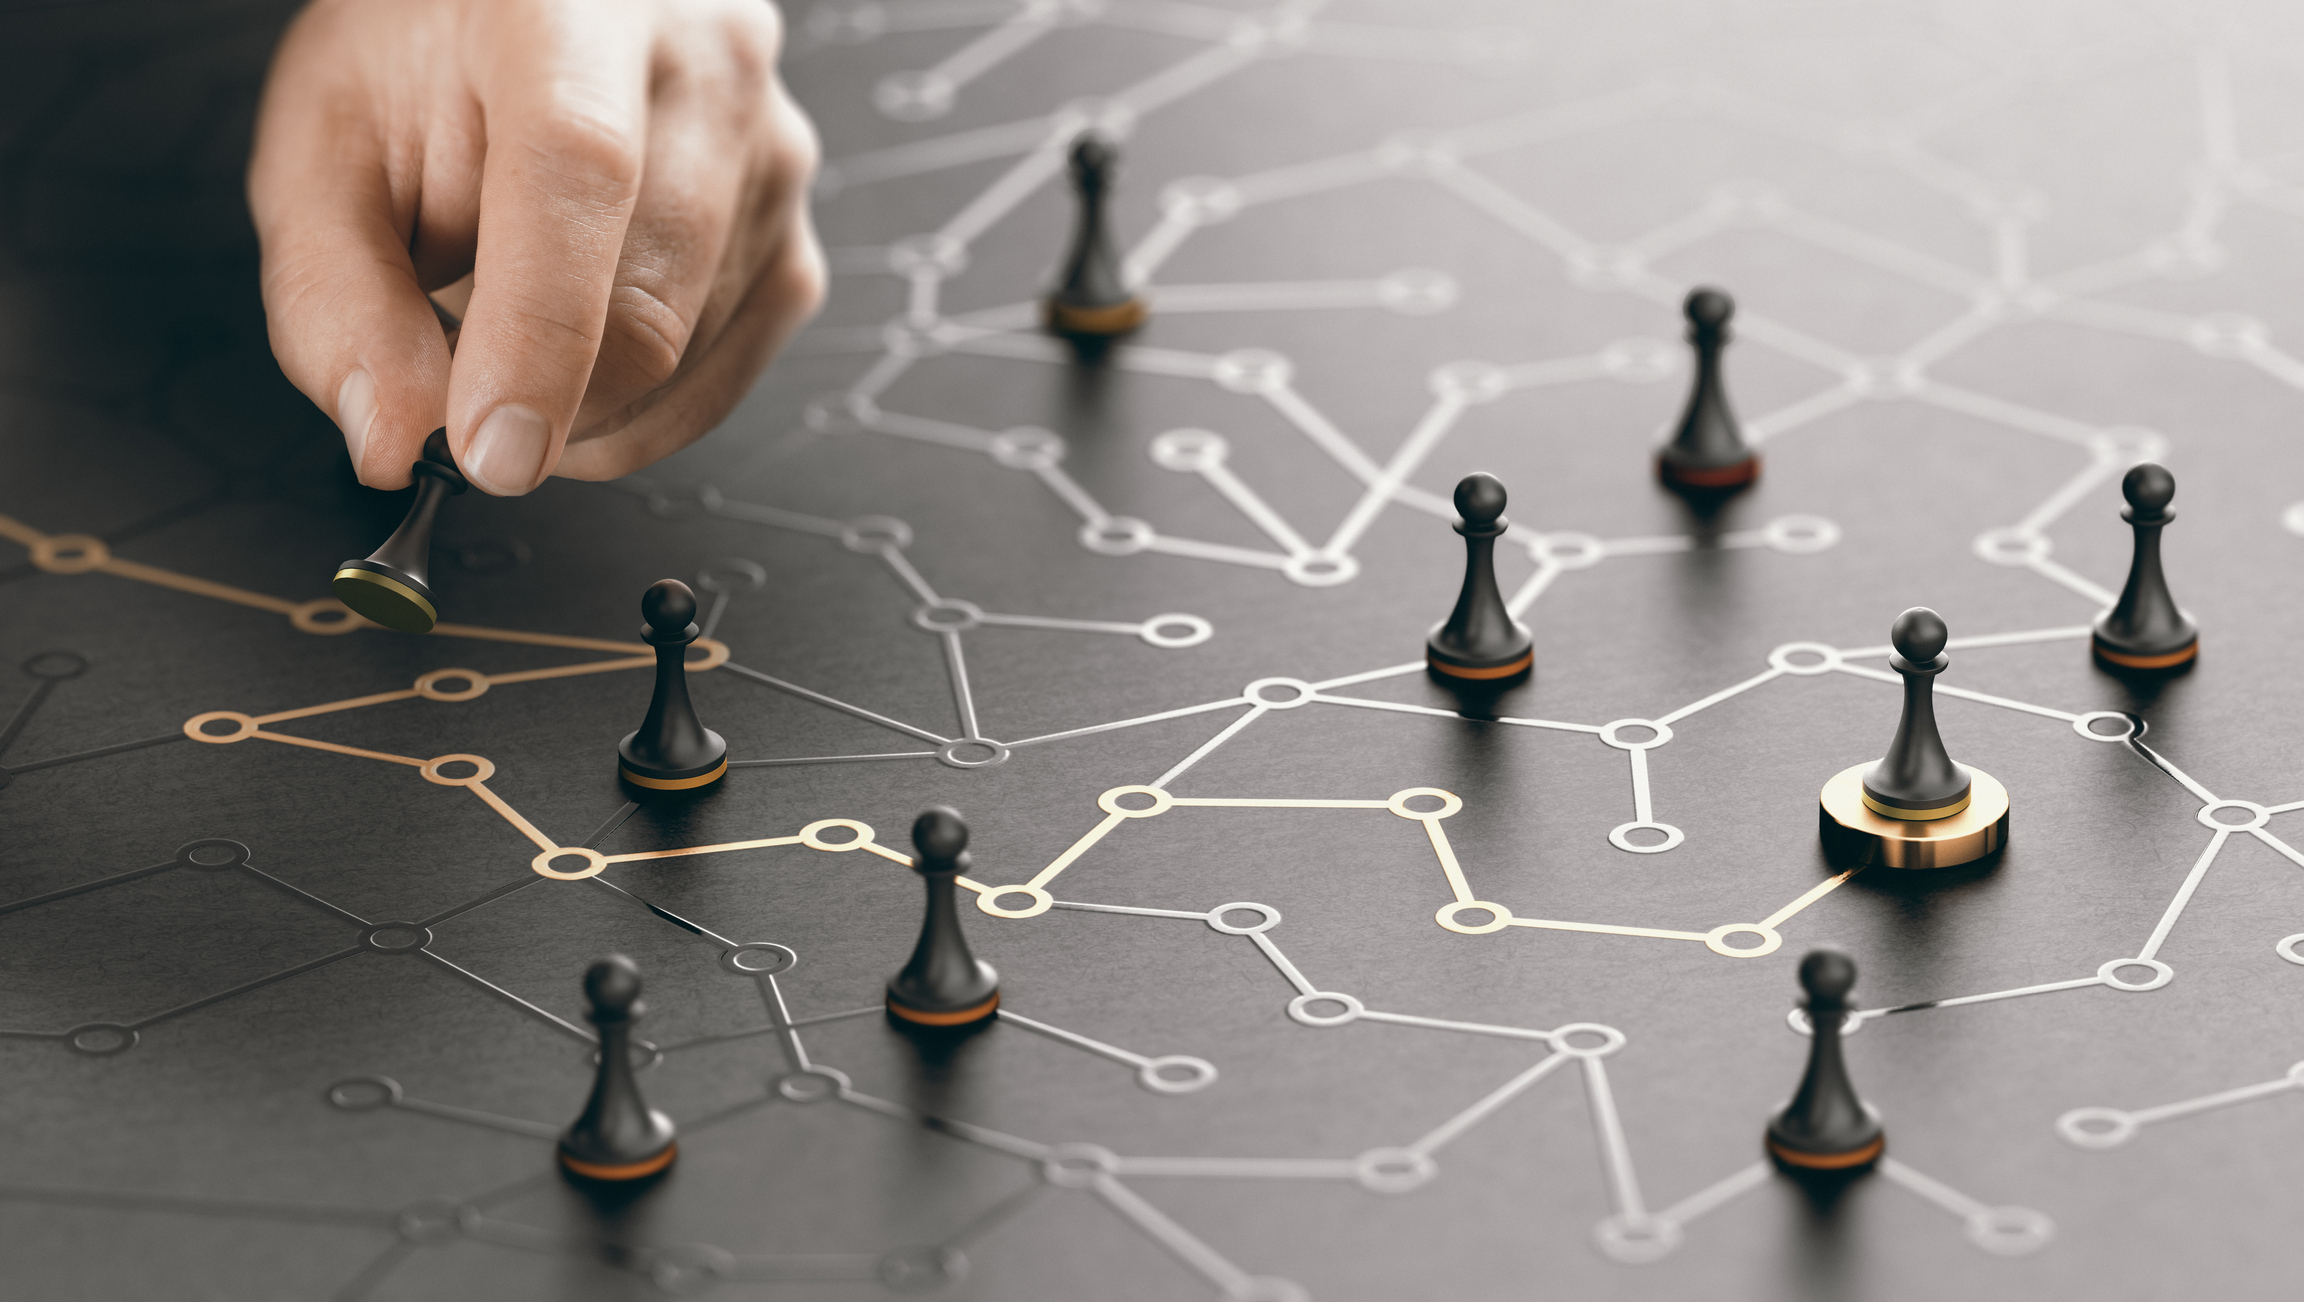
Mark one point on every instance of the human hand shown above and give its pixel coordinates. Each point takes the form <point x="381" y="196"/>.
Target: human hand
<point x="624" y="181"/>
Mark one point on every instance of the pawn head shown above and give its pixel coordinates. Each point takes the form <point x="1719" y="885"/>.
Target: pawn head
<point x="1480" y="498"/>
<point x="1092" y="159"/>
<point x="1708" y="308"/>
<point x="2148" y="487"/>
<point x="939" y="835"/>
<point x="613" y="986"/>
<point x="1919" y="635"/>
<point x="1827" y="975"/>
<point x="668" y="606"/>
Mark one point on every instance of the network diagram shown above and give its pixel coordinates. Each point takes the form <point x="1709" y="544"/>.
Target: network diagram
<point x="1233" y="44"/>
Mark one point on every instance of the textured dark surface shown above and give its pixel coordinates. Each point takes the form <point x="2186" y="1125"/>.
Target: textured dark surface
<point x="1980" y="253"/>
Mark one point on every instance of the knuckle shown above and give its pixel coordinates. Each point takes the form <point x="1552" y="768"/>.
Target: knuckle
<point x="593" y="158"/>
<point x="650" y="335"/>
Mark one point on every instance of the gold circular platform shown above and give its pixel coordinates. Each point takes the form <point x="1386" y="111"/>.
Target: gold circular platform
<point x="1853" y="834"/>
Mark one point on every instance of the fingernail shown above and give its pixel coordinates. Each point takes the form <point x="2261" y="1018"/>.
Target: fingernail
<point x="355" y="412"/>
<point x="507" y="455"/>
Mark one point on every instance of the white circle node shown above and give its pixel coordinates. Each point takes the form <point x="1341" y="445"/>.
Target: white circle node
<point x="1118" y="535"/>
<point x="1320" y="569"/>
<point x="1199" y="1073"/>
<point x="1300" y="1008"/>
<point x="1637" y="1242"/>
<point x="972" y="753"/>
<point x="1827" y="658"/>
<point x="1200" y="200"/>
<point x="1470" y="382"/>
<point x="1268" y="918"/>
<point x="2129" y="444"/>
<point x="1605" y="268"/>
<point x="1450" y="803"/>
<point x="2096" y="1127"/>
<point x="1620" y="836"/>
<point x="1563" y="1040"/>
<point x="1193" y="630"/>
<point x="1797" y="1018"/>
<point x="1662" y="731"/>
<point x="1077" y="1166"/>
<point x="2130" y="726"/>
<point x="811" y="1084"/>
<point x="2010" y="1231"/>
<point x="1394" y="1170"/>
<point x="929" y="252"/>
<point x="812" y="835"/>
<point x="2293" y="519"/>
<point x="1417" y="291"/>
<point x="914" y="96"/>
<point x="2228" y="334"/>
<point x="875" y="533"/>
<point x="2012" y="546"/>
<point x="1499" y="917"/>
<point x="1801" y="535"/>
<point x="2109" y="974"/>
<point x="1027" y="447"/>
<point x="947" y="615"/>
<point x="1303" y="693"/>
<point x="1639" y="360"/>
<point x="1716" y="940"/>
<point x="2258" y="815"/>
<point x="988" y="899"/>
<point x="1569" y="550"/>
<point x="1189" y="450"/>
<point x="1109" y="802"/>
<point x="2286" y="948"/>
<point x="1253" y="370"/>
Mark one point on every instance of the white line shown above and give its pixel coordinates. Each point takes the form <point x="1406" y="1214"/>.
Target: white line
<point x="1208" y="551"/>
<point x="1245" y="500"/>
<point x="1429" y="431"/>
<point x="779" y="518"/>
<point x="1417" y="666"/>
<point x="2055" y="573"/>
<point x="1252" y="1168"/>
<point x="1469" y="1028"/>
<point x="902" y="564"/>
<point x="2169" y="1111"/>
<point x="1508" y="208"/>
<point x="1932" y="1004"/>
<point x="1533" y="588"/>
<point x="925" y="430"/>
<point x="1882" y="675"/>
<point x="2184" y="894"/>
<point x="994" y="47"/>
<point x="1640" y="806"/>
<point x="2013" y="415"/>
<point x="1270" y="296"/>
<point x="1712" y="1197"/>
<point x="1130" y="723"/>
<point x="1254" y="713"/>
<point x="1061" y="625"/>
<point x="961" y="697"/>
<point x="1308" y="421"/>
<point x="1113" y="1052"/>
<point x="974" y="1134"/>
<point x="2065" y="498"/>
<point x="1014" y="187"/>
<point x="1123" y="908"/>
<point x="2276" y="843"/>
<point x="1935" y="1191"/>
<point x="955" y="150"/>
<point x="1067" y="488"/>
<point x="1280" y="960"/>
<point x="1615" y="1153"/>
<point x="1234" y="1281"/>
<point x="1810" y="409"/>
<point x="1155" y="361"/>
<point x="1721" y="695"/>
<point x="1454" y="1126"/>
<point x="2160" y="762"/>
<point x="830" y="759"/>
<point x="821" y="699"/>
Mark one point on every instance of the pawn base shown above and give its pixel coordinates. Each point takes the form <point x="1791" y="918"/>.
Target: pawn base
<point x="383" y="595"/>
<point x="1736" y="474"/>
<point x="639" y="1170"/>
<point x="1481" y="673"/>
<point x="1096" y="322"/>
<point x="963" y="1017"/>
<point x="1858" y="1159"/>
<point x="717" y="772"/>
<point x="2114" y="656"/>
<point x="1855" y="836"/>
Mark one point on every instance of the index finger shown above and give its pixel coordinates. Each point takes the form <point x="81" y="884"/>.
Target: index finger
<point x="566" y="106"/>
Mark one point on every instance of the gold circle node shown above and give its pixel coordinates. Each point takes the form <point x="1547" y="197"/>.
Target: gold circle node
<point x="1450" y="803"/>
<point x="1716" y="940"/>
<point x="1854" y="834"/>
<point x="1109" y="802"/>
<point x="432" y="773"/>
<point x="306" y="617"/>
<point x="1446" y="917"/>
<point x="715" y="655"/>
<point x="70" y="553"/>
<point x="594" y="862"/>
<point x="812" y="835"/>
<point x="192" y="727"/>
<point x="1041" y="901"/>
<point x="429" y="687"/>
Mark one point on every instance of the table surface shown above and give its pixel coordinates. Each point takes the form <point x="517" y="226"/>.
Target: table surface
<point x="287" y="1011"/>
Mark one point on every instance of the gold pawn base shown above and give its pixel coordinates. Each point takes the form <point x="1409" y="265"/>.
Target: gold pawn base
<point x="1855" y="836"/>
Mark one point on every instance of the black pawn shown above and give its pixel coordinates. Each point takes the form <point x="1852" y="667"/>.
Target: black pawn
<point x="618" y="1137"/>
<point x="673" y="750"/>
<point x="1917" y="781"/>
<point x="944" y="984"/>
<point x="392" y="587"/>
<point x="1825" y="1126"/>
<point x="1708" y="451"/>
<point x="2146" y="630"/>
<point x="1480" y="640"/>
<point x="1092" y="300"/>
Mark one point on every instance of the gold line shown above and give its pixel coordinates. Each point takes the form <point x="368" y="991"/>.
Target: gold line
<point x="333" y="706"/>
<point x="153" y="574"/>
<point x="10" y="527"/>
<point x="1285" y="804"/>
<point x="1448" y="862"/>
<point x="893" y="857"/>
<point x="975" y="886"/>
<point x="1820" y="890"/>
<point x="1079" y="847"/>
<point x="510" y="814"/>
<point x="1612" y="931"/>
<point x="704" y="849"/>
<point x="340" y="750"/>
<point x="538" y="639"/>
<point x="569" y="671"/>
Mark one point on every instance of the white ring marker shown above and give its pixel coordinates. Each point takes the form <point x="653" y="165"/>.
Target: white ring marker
<point x="2010" y="1231"/>
<point x="1393" y="1170"/>
<point x="1796" y="1017"/>
<point x="2096" y="1127"/>
<point x="2012" y="546"/>
<point x="1189" y="451"/>
<point x="1827" y="658"/>
<point x="1027" y="447"/>
<point x="1271" y="918"/>
<point x="1077" y="1166"/>
<point x="1255" y="692"/>
<point x="1253" y="370"/>
<point x="1620" y="836"/>
<point x="2293" y="519"/>
<point x="2109" y="974"/>
<point x="1569" y="550"/>
<point x="1637" y="1242"/>
<point x="1716" y="940"/>
<point x="1611" y="1040"/>
<point x="2287" y="948"/>
<point x="1319" y="570"/>
<point x="873" y="534"/>
<point x="1801" y="535"/>
<point x="2258" y="815"/>
<point x="2130" y="725"/>
<point x="1201" y="1073"/>
<point x="1499" y="917"/>
<point x="1118" y="535"/>
<point x="1609" y="737"/>
<point x="1300" y="1008"/>
<point x="1195" y="631"/>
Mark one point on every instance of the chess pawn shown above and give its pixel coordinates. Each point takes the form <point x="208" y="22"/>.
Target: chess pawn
<point x="1826" y="1127"/>
<point x="944" y="984"/>
<point x="672" y="750"/>
<point x="1707" y="452"/>
<point x="618" y="1137"/>
<point x="392" y="587"/>
<point x="1480" y="640"/>
<point x="1917" y="781"/>
<point x="1092" y="298"/>
<point x="2145" y="630"/>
